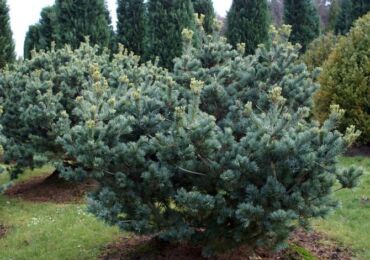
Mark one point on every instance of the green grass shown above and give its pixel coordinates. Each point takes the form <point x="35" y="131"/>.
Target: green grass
<point x="350" y="224"/>
<point x="50" y="231"/>
<point x="65" y="231"/>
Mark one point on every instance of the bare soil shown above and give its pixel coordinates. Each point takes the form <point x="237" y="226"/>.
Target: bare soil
<point x="359" y="151"/>
<point x="51" y="188"/>
<point x="146" y="248"/>
<point x="3" y="231"/>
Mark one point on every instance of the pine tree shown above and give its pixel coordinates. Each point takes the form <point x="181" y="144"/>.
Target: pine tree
<point x="77" y="19"/>
<point x="304" y="19"/>
<point x="205" y="7"/>
<point x="41" y="35"/>
<point x="166" y="20"/>
<point x="6" y="41"/>
<point x="131" y="25"/>
<point x="248" y="22"/>
<point x="38" y="95"/>
<point x="222" y="152"/>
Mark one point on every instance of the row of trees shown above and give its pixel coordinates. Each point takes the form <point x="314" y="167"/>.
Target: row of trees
<point x="148" y="29"/>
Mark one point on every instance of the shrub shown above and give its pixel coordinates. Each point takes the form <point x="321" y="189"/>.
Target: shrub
<point x="221" y="153"/>
<point x="36" y="97"/>
<point x="319" y="50"/>
<point x="345" y="80"/>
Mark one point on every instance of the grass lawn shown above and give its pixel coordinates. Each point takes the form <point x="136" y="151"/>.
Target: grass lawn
<point x="65" y="231"/>
<point x="50" y="231"/>
<point x="350" y="224"/>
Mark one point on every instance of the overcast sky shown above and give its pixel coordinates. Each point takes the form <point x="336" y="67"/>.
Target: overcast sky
<point x="23" y="13"/>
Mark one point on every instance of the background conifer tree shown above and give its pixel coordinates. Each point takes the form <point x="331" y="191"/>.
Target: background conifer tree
<point x="345" y="80"/>
<point x="131" y="24"/>
<point x="344" y="19"/>
<point x="78" y="19"/>
<point x="6" y="41"/>
<point x="350" y="11"/>
<point x="205" y="7"/>
<point x="166" y="20"/>
<point x="333" y="14"/>
<point x="248" y="22"/>
<point x="304" y="19"/>
<point x="41" y="35"/>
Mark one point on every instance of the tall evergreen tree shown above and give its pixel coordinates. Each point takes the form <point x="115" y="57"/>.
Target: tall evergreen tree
<point x="41" y="35"/>
<point x="78" y="19"/>
<point x="6" y="41"/>
<point x="205" y="7"/>
<point x="344" y="19"/>
<point x="304" y="19"/>
<point x="333" y="14"/>
<point x="31" y="41"/>
<point x="131" y="24"/>
<point x="248" y="22"/>
<point x="350" y="11"/>
<point x="166" y="20"/>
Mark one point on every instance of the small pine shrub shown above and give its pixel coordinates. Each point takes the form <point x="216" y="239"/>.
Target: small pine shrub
<point x="221" y="152"/>
<point x="39" y="95"/>
<point x="345" y="80"/>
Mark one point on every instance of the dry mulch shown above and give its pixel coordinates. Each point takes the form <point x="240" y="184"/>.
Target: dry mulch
<point x="146" y="248"/>
<point x="51" y="188"/>
<point x="359" y="151"/>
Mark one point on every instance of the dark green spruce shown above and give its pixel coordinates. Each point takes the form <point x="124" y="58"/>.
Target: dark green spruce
<point x="350" y="11"/>
<point x="6" y="36"/>
<point x="248" y="22"/>
<point x="304" y="19"/>
<point x="166" y="20"/>
<point x="205" y="7"/>
<point x="78" y="19"/>
<point x="131" y="24"/>
<point x="42" y="34"/>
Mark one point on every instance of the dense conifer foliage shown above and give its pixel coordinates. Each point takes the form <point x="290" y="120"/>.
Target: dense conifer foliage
<point x="222" y="152"/>
<point x="350" y="11"/>
<point x="205" y="7"/>
<point x="248" y="22"/>
<point x="166" y="20"/>
<point x="6" y="41"/>
<point x="131" y="24"/>
<point x="36" y="96"/>
<point x="77" y="19"/>
<point x="319" y="50"/>
<point x="304" y="19"/>
<point x="345" y="80"/>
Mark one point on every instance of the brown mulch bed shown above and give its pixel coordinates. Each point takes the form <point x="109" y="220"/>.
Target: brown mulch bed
<point x="51" y="188"/>
<point x="145" y="248"/>
<point x="3" y="231"/>
<point x="359" y="151"/>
